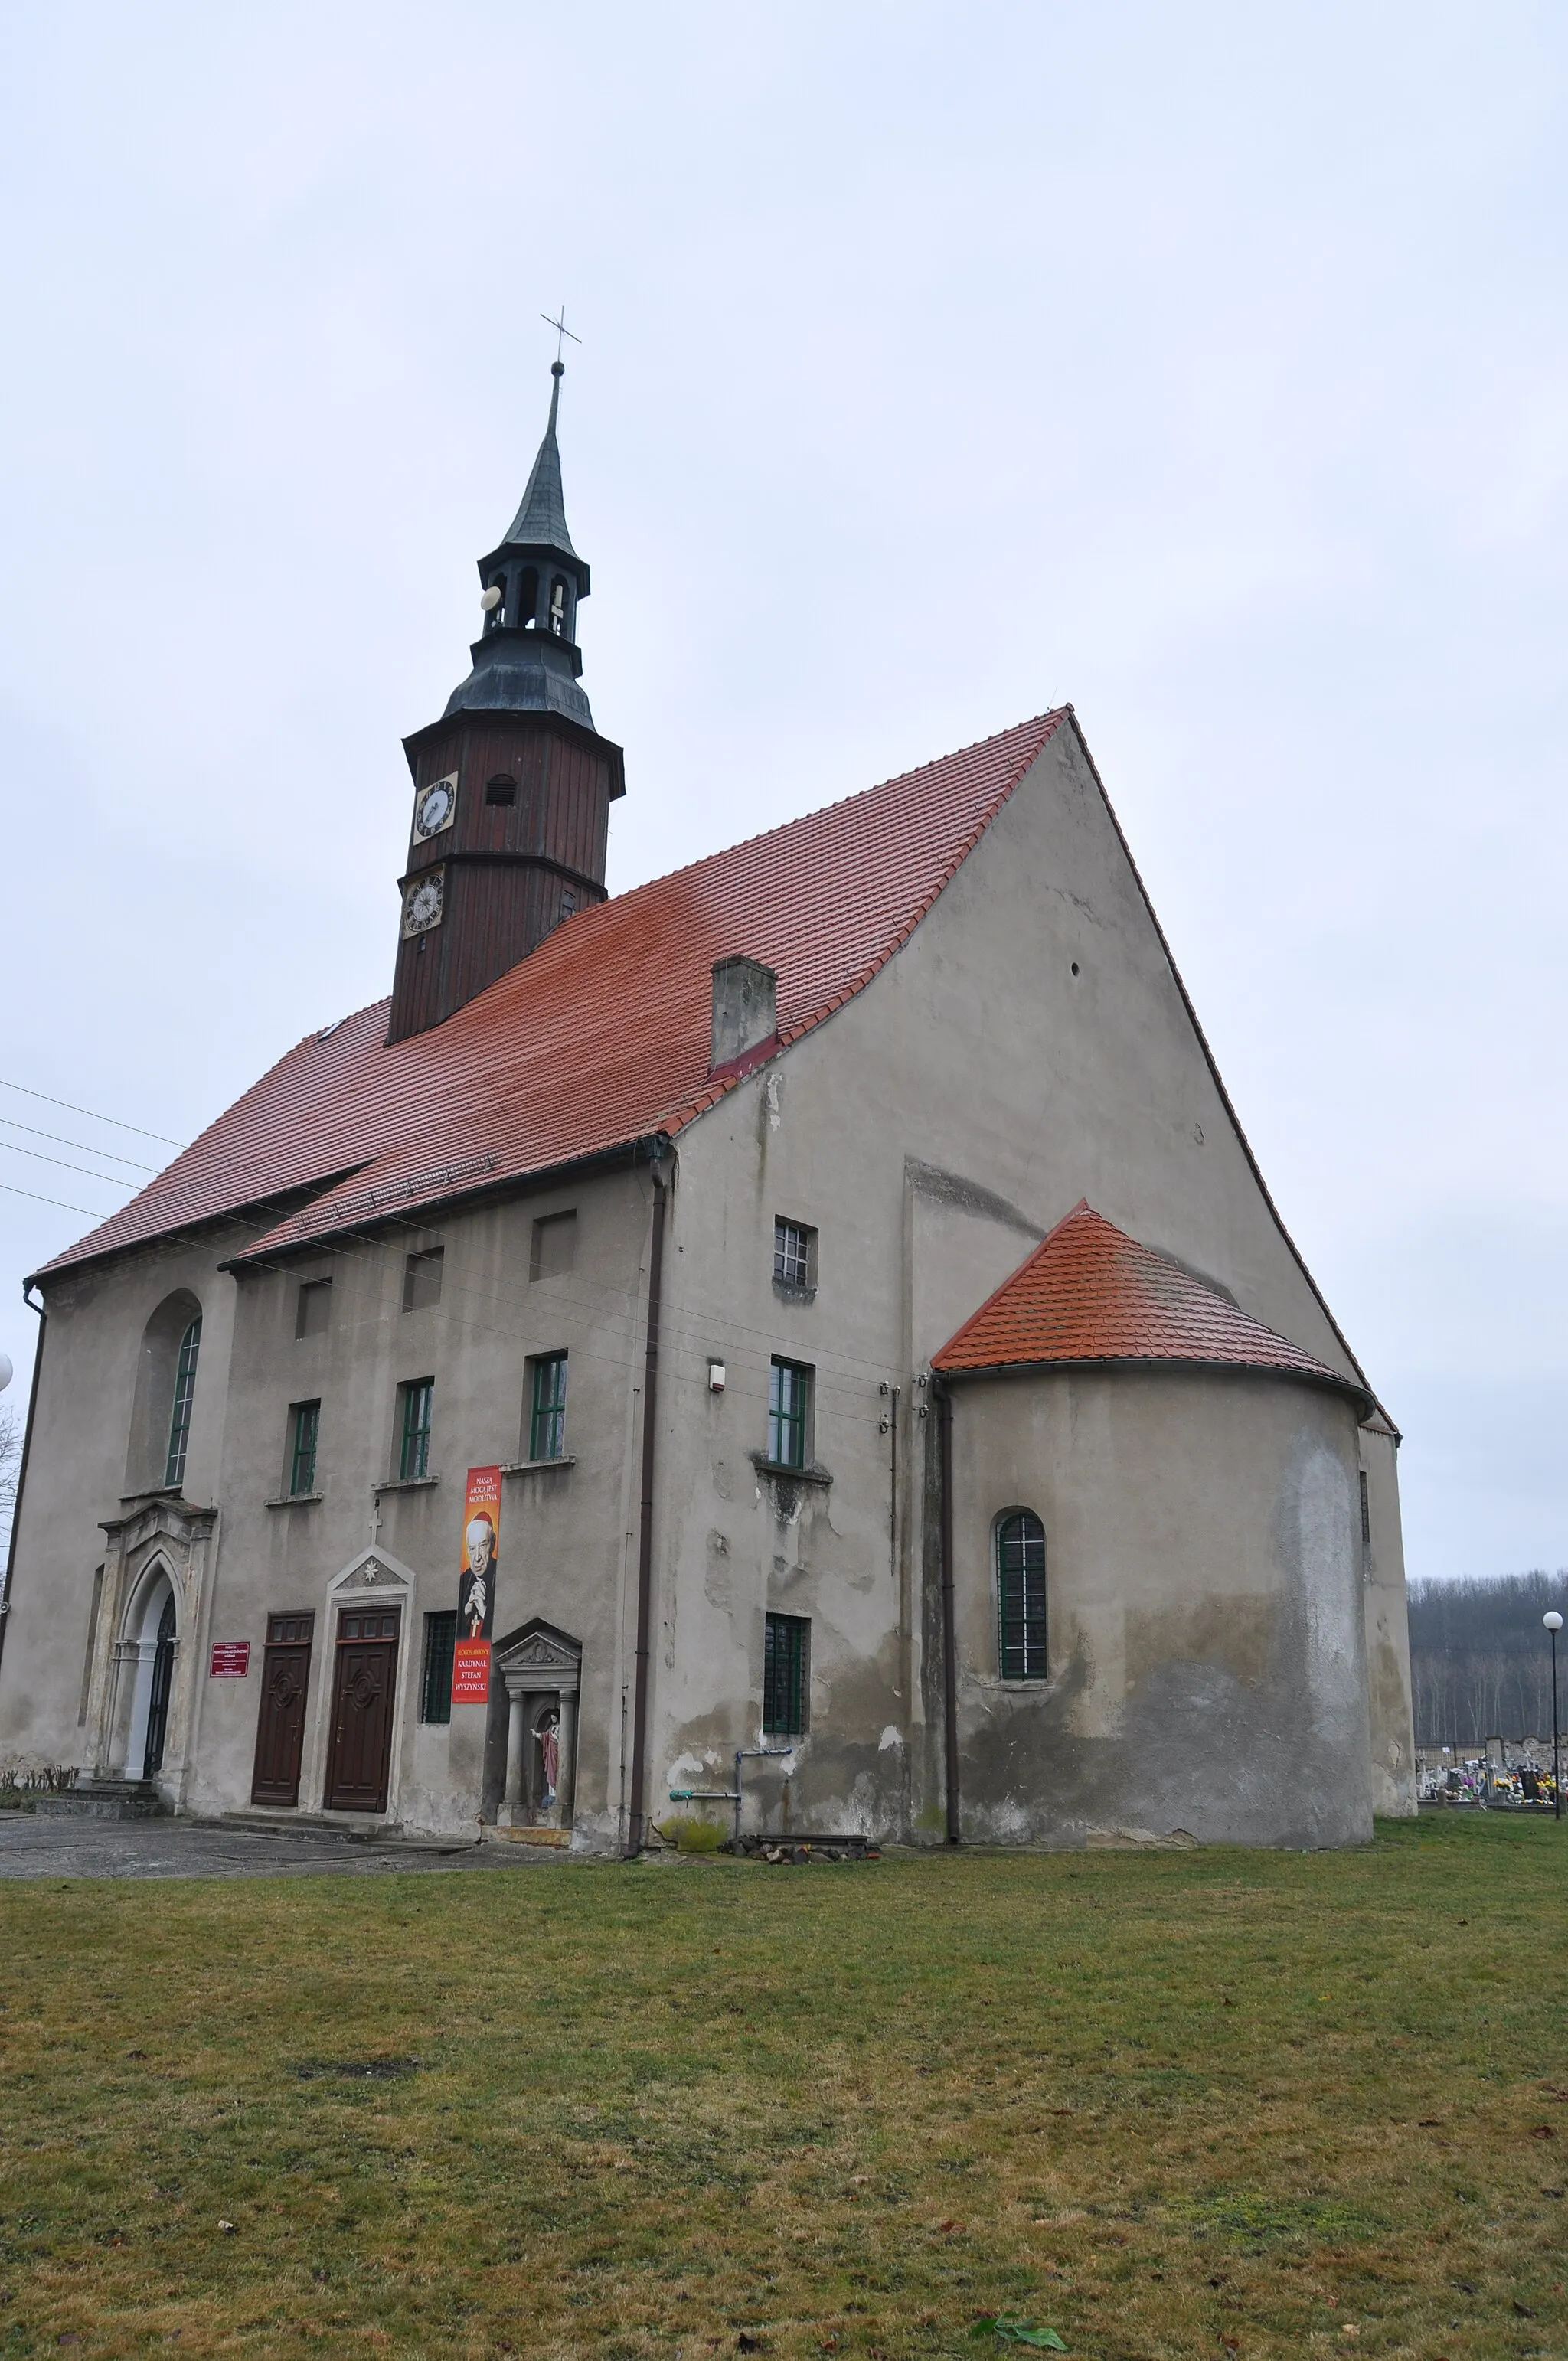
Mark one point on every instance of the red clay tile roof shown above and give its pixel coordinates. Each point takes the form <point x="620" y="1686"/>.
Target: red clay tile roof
<point x="600" y="1037"/>
<point x="1089" y="1293"/>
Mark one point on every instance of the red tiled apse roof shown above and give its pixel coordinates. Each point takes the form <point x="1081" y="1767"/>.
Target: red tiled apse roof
<point x="601" y="1036"/>
<point x="1089" y="1293"/>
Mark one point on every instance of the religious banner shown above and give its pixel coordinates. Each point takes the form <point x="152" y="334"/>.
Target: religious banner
<point x="230" y="1661"/>
<point x="477" y="1586"/>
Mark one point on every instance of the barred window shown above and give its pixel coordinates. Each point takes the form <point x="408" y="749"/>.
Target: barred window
<point x="184" y="1396"/>
<point x="304" y="1427"/>
<point x="785" y="1676"/>
<point x="1021" y="1595"/>
<point x="547" y="1419"/>
<point x="795" y="1254"/>
<point x="413" y="1443"/>
<point x="789" y="1414"/>
<point x="435" y="1683"/>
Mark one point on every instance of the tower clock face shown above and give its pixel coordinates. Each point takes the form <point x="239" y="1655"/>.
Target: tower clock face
<point x="435" y="807"/>
<point x="422" y="903"/>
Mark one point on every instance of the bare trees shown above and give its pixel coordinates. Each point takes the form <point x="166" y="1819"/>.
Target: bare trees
<point x="1479" y="1667"/>
<point x="11" y="1425"/>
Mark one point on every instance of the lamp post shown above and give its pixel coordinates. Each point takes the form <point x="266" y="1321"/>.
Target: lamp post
<point x="1554" y="1622"/>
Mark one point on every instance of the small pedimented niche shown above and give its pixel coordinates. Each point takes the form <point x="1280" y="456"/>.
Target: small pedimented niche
<point x="541" y="1657"/>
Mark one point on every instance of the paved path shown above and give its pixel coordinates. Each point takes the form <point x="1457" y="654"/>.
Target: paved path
<point x="31" y="1846"/>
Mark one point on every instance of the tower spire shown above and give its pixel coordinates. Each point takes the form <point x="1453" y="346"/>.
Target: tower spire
<point x="540" y="519"/>
<point x="513" y="785"/>
<point x="526" y="659"/>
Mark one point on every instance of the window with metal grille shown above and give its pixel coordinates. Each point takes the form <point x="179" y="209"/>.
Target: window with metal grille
<point x="795" y="1254"/>
<point x="789" y="1414"/>
<point x="304" y="1426"/>
<point x="547" y="1412"/>
<point x="418" y="1400"/>
<point x="184" y="1396"/>
<point x="421" y="1278"/>
<point x="312" y="1312"/>
<point x="786" y="1670"/>
<point x="1021" y="1595"/>
<point x="1365" y="1511"/>
<point x="435" y="1681"/>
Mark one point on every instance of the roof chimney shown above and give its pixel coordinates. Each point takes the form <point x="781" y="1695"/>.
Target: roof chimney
<point x="745" y="1009"/>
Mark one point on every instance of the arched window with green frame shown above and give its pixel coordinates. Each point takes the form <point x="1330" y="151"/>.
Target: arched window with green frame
<point x="1021" y="1595"/>
<point x="184" y="1397"/>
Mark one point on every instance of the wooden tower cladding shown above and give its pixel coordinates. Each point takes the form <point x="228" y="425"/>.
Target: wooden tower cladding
<point x="524" y="848"/>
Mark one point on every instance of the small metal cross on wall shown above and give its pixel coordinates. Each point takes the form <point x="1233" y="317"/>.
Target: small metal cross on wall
<point x="561" y="330"/>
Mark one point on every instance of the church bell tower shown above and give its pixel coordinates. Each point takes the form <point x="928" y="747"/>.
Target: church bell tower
<point x="513" y="785"/>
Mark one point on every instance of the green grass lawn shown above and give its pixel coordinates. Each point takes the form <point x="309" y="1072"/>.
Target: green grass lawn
<point x="1209" y="2102"/>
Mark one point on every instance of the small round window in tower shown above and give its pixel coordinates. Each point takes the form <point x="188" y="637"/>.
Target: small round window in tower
<point x="1075" y="967"/>
<point x="501" y="789"/>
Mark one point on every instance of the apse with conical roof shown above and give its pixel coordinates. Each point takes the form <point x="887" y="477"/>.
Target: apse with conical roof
<point x="513" y="785"/>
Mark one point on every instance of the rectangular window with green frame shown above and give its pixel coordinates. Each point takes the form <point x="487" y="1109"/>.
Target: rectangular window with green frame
<point x="417" y="1399"/>
<point x="304" y="1433"/>
<point x="547" y="1408"/>
<point x="435" y="1685"/>
<point x="790" y="1386"/>
<point x="786" y="1674"/>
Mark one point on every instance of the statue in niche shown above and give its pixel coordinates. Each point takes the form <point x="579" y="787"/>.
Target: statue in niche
<point x="547" y="1736"/>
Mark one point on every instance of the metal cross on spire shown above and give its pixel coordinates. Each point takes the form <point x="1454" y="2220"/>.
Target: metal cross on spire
<point x="561" y="330"/>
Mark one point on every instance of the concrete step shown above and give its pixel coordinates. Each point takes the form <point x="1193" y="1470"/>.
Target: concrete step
<point x="353" y="1832"/>
<point x="101" y="1799"/>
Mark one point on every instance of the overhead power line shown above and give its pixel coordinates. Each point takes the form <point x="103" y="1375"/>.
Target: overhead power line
<point x="61" y="1141"/>
<point x="91" y="1211"/>
<point x="110" y="1180"/>
<point x="93" y="1116"/>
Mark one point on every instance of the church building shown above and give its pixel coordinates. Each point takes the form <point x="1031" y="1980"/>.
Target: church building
<point x="804" y="1345"/>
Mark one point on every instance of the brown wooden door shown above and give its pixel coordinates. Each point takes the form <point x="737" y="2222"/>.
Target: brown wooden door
<point x="362" y="1710"/>
<point x="281" y="1728"/>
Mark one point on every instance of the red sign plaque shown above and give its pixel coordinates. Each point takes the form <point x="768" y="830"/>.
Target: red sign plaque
<point x="471" y="1673"/>
<point x="231" y="1660"/>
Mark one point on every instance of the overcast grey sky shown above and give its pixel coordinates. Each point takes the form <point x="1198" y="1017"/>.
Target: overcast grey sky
<point x="1206" y="366"/>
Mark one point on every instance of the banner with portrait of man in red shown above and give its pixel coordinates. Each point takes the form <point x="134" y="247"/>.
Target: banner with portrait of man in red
<point x="477" y="1586"/>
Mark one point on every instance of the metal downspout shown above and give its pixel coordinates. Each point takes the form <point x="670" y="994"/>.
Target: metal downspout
<point x="949" y="1634"/>
<point x="637" y="1827"/>
<point x="22" y="1469"/>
